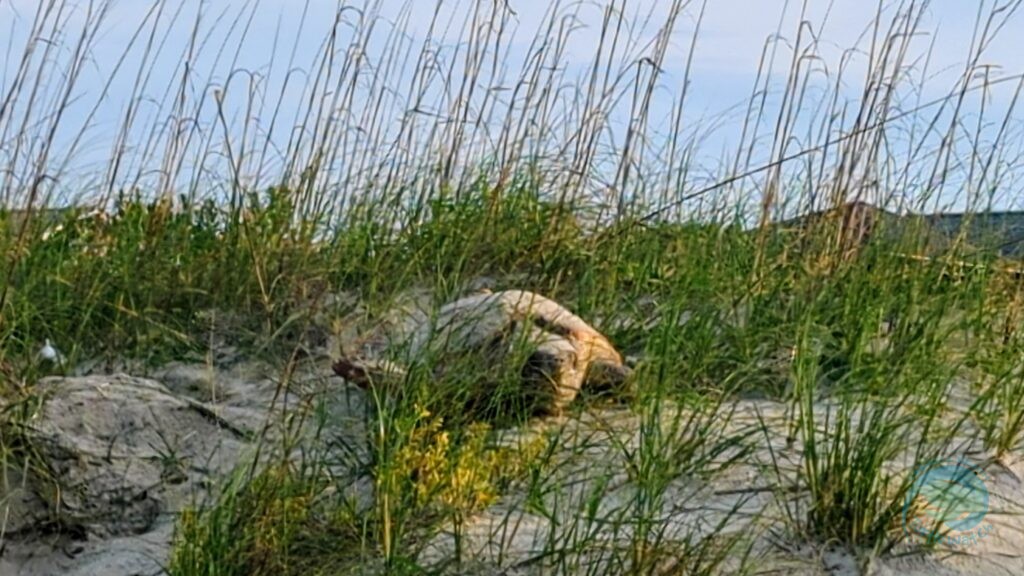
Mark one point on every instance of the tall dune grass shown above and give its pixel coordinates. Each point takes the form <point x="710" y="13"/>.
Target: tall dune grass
<point x="433" y="160"/>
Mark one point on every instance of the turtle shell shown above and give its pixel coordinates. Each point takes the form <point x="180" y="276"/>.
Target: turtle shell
<point x="562" y="352"/>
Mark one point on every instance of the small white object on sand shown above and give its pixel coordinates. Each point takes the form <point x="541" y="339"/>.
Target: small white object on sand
<point x="50" y="354"/>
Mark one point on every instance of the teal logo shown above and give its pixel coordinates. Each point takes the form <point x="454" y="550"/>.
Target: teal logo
<point x="948" y="503"/>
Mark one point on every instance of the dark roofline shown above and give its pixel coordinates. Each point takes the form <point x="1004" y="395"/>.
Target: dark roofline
<point x="854" y="204"/>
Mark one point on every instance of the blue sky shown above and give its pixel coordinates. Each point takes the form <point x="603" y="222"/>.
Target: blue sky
<point x="729" y="47"/>
<point x="733" y="34"/>
<point x="734" y="31"/>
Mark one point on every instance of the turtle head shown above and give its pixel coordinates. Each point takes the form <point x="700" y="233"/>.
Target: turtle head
<point x="352" y="370"/>
<point x="609" y="376"/>
<point x="368" y="373"/>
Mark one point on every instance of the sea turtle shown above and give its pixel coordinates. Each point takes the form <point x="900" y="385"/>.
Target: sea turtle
<point x="561" y="352"/>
